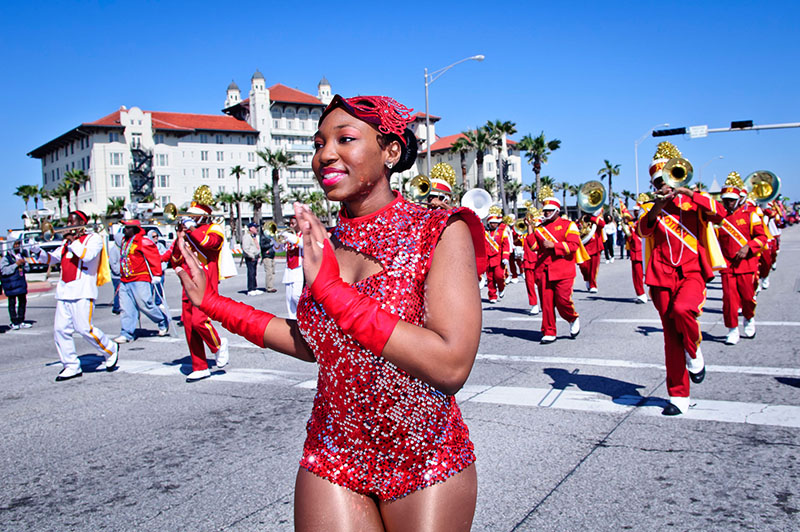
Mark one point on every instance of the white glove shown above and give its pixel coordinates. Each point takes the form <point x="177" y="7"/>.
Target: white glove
<point x="505" y="263"/>
<point x="35" y="250"/>
<point x="156" y="280"/>
<point x="188" y="222"/>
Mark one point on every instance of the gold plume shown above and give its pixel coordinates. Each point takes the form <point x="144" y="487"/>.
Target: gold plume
<point x="666" y="150"/>
<point x="545" y="192"/>
<point x="203" y="196"/>
<point x="444" y="172"/>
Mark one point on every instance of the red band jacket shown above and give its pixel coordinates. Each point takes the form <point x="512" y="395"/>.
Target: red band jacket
<point x="559" y="262"/>
<point x="139" y="260"/>
<point x="741" y="228"/>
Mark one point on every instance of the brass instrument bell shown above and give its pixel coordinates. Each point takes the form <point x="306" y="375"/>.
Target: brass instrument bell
<point x="520" y="226"/>
<point x="170" y="212"/>
<point x="677" y="172"/>
<point x="419" y="189"/>
<point x="765" y="185"/>
<point x="591" y="196"/>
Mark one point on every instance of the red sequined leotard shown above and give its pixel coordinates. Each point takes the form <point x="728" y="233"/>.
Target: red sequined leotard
<point x="374" y="429"/>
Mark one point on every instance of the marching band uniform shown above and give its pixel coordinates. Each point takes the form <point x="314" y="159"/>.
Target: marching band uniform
<point x="517" y="253"/>
<point x="678" y="268"/>
<point x="529" y="259"/>
<point x="206" y="239"/>
<point x="634" y="246"/>
<point x="498" y="250"/>
<point x="140" y="268"/>
<point x="594" y="246"/>
<point x="555" y="271"/>
<point x="443" y="179"/>
<point x="770" y="252"/>
<point x="293" y="277"/>
<point x="84" y="267"/>
<point x="740" y="228"/>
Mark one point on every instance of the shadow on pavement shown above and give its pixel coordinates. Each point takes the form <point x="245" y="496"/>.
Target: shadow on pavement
<point x="611" y="299"/>
<point x="592" y="383"/>
<point x="645" y="330"/>
<point x="789" y="381"/>
<point x="525" y="334"/>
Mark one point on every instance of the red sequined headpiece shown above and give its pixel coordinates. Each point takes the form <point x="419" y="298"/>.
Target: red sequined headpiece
<point x="389" y="115"/>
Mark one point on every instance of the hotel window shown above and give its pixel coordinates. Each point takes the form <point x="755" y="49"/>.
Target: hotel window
<point x="136" y="140"/>
<point x="251" y="174"/>
<point x="115" y="159"/>
<point x="203" y="137"/>
<point x="251" y="141"/>
<point x="158" y="138"/>
<point x="204" y="173"/>
<point x="113" y="137"/>
<point x="251" y="157"/>
<point x="164" y="200"/>
<point x="163" y="181"/>
<point x="222" y="188"/>
<point x="219" y="139"/>
<point x="220" y="156"/>
<point x="162" y="159"/>
<point x="203" y="155"/>
<point x="117" y="180"/>
<point x="221" y="173"/>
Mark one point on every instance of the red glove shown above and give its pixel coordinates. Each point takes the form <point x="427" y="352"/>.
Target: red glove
<point x="237" y="317"/>
<point x="358" y="315"/>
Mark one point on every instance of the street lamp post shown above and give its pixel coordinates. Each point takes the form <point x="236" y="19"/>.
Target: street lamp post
<point x="707" y="163"/>
<point x="430" y="78"/>
<point x="636" y="152"/>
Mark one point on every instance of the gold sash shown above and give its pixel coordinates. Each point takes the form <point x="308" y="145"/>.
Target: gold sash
<point x="733" y="231"/>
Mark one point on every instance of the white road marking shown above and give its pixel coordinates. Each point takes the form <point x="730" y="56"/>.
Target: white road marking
<point x="615" y="363"/>
<point x="244" y="375"/>
<point x="650" y="321"/>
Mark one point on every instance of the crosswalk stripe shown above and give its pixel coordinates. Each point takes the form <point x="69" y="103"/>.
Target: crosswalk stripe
<point x="650" y="321"/>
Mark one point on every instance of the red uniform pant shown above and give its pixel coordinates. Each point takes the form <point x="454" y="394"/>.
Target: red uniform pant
<point x="638" y="277"/>
<point x="765" y="261"/>
<point x="530" y="285"/>
<point x="679" y="306"/>
<point x="589" y="270"/>
<point x="199" y="330"/>
<point x="555" y="295"/>
<point x="738" y="292"/>
<point x="495" y="280"/>
<point x="514" y="267"/>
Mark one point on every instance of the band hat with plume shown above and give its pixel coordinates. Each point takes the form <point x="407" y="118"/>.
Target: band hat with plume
<point x="548" y="199"/>
<point x="664" y="152"/>
<point x="443" y="179"/>
<point x="733" y="186"/>
<point x="202" y="200"/>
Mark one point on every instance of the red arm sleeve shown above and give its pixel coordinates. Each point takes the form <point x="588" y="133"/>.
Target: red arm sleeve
<point x="759" y="236"/>
<point x="714" y="211"/>
<point x="152" y="256"/>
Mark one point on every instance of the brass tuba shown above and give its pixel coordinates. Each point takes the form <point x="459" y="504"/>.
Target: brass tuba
<point x="478" y="201"/>
<point x="170" y="212"/>
<point x="764" y="185"/>
<point x="677" y="172"/>
<point x="419" y="189"/>
<point x="591" y="196"/>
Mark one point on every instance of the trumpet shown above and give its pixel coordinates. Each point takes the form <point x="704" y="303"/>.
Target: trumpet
<point x="591" y="196"/>
<point x="49" y="232"/>
<point x="521" y="225"/>
<point x="419" y="189"/>
<point x="677" y="172"/>
<point x="270" y="228"/>
<point x="283" y="236"/>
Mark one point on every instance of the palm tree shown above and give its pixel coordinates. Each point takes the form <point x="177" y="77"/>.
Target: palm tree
<point x="277" y="160"/>
<point x="547" y="181"/>
<point x="61" y="192"/>
<point x="318" y="203"/>
<point x="115" y="207"/>
<point x="628" y="195"/>
<point x="479" y="141"/>
<point x="538" y="150"/>
<point x="257" y="198"/>
<point x="238" y="171"/>
<point x="489" y="185"/>
<point x="609" y="171"/>
<point x="573" y="191"/>
<point x="25" y="192"/>
<point x="461" y="147"/>
<point x="564" y="188"/>
<point x="498" y="131"/>
<point x="226" y="199"/>
<point x="512" y="191"/>
<point x="76" y="178"/>
<point x="298" y="196"/>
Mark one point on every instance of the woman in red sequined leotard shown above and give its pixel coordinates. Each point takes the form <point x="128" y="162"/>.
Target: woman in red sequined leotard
<point x="391" y="313"/>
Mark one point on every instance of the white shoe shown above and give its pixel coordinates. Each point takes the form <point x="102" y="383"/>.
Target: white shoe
<point x="641" y="298"/>
<point x="774" y="266"/>
<point x="14" y="327"/>
<point x="549" y="339"/>
<point x="750" y="328"/>
<point x="222" y="354"/>
<point x="534" y="310"/>
<point x="198" y="375"/>
<point x="163" y="332"/>
<point x="482" y="283"/>
<point x="733" y="336"/>
<point x="612" y="260"/>
<point x="254" y="293"/>
<point x="25" y="325"/>
<point x="593" y="290"/>
<point x="492" y="301"/>
<point x="765" y="283"/>
<point x="696" y="364"/>
<point x="501" y="293"/>
<point x="122" y="339"/>
<point x="681" y="402"/>
<point x="575" y="328"/>
<point x="608" y="261"/>
<point x="111" y="361"/>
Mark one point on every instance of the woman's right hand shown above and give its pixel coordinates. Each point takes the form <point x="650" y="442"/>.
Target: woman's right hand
<point x="193" y="280"/>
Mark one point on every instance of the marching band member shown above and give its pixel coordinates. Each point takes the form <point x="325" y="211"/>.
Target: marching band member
<point x="558" y="246"/>
<point x="677" y="271"/>
<point x="498" y="249"/>
<point x="443" y="178"/>
<point x="515" y="241"/>
<point x="741" y="237"/>
<point x="769" y="254"/>
<point x="529" y="258"/>
<point x="634" y="246"/>
<point x="84" y="267"/>
<point x="594" y="244"/>
<point x="140" y="269"/>
<point x="292" y="242"/>
<point x="205" y="238"/>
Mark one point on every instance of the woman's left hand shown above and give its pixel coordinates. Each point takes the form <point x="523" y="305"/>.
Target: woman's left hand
<point x="314" y="237"/>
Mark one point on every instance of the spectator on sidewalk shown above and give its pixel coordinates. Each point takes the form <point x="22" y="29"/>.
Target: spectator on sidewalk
<point x="251" y="249"/>
<point x="268" y="260"/>
<point x="610" y="231"/>
<point x="15" y="285"/>
<point x="114" y="245"/>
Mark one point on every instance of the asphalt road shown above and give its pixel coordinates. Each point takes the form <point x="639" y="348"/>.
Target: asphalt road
<point x="568" y="436"/>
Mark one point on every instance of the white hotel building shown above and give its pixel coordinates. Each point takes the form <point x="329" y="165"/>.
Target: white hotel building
<point x="132" y="153"/>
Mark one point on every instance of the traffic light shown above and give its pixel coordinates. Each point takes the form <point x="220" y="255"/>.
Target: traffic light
<point x="669" y="132"/>
<point x="741" y="124"/>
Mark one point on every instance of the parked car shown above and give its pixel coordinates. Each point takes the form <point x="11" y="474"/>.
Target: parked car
<point x="29" y="237"/>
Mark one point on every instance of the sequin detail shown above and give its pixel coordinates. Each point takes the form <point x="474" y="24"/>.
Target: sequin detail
<point x="374" y="429"/>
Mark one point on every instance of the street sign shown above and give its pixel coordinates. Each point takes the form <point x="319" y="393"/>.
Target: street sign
<point x="698" y="132"/>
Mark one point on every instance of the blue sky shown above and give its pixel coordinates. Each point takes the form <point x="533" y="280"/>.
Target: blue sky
<point x="596" y="75"/>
